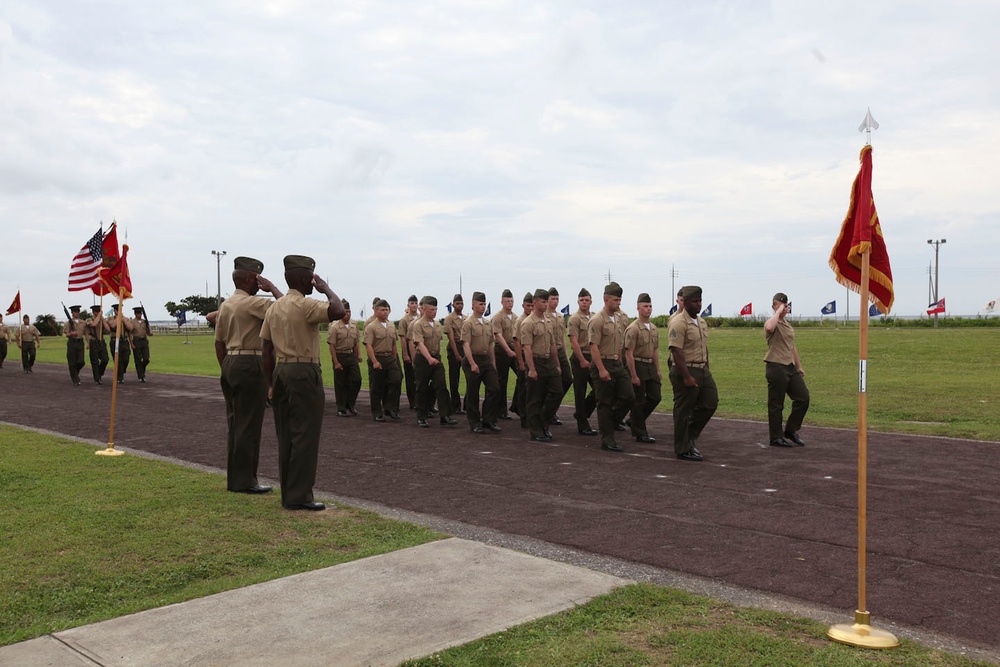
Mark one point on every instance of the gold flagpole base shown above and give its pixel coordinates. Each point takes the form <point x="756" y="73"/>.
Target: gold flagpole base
<point x="861" y="633"/>
<point x="110" y="451"/>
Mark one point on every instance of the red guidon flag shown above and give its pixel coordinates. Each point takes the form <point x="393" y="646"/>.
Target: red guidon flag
<point x="15" y="305"/>
<point x="117" y="279"/>
<point x="747" y="309"/>
<point x="861" y="232"/>
<point x="109" y="255"/>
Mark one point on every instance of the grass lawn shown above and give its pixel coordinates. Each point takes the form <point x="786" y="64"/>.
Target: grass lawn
<point x="920" y="381"/>
<point x="649" y="625"/>
<point x="86" y="538"/>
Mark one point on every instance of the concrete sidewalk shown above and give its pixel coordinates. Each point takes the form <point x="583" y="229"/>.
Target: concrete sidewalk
<point x="375" y="611"/>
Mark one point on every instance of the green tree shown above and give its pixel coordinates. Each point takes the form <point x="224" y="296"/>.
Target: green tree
<point x="203" y="305"/>
<point x="47" y="325"/>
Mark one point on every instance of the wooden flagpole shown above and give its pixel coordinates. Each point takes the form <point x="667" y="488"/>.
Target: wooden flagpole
<point x="861" y="633"/>
<point x="111" y="451"/>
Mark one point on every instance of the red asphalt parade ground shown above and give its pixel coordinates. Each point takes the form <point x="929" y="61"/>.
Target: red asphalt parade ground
<point x="771" y="519"/>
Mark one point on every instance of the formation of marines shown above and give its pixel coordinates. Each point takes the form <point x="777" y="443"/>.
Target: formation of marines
<point x="268" y="352"/>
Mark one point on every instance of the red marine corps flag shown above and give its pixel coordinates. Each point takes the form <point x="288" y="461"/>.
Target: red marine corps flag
<point x="15" y="305"/>
<point x="861" y="232"/>
<point x="747" y="309"/>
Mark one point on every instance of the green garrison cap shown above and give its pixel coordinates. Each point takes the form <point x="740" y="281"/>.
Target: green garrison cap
<point x="457" y="299"/>
<point x="553" y="291"/>
<point x="528" y="298"/>
<point x="248" y="264"/>
<point x="644" y="298"/>
<point x="691" y="292"/>
<point x="541" y="294"/>
<point x="583" y="293"/>
<point x="507" y="294"/>
<point x="381" y="303"/>
<point x="299" y="262"/>
<point x="429" y="301"/>
<point x="346" y="304"/>
<point x="780" y="296"/>
<point x="412" y="299"/>
<point x="479" y="296"/>
<point x="613" y="289"/>
<point x="376" y="300"/>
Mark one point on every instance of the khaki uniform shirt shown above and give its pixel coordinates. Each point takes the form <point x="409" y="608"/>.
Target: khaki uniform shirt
<point x="139" y="327"/>
<point x="607" y="333"/>
<point x="405" y="322"/>
<point x="79" y="326"/>
<point x="643" y="340"/>
<point x="430" y="332"/>
<point x="503" y="324"/>
<point x="453" y="328"/>
<point x="558" y="329"/>
<point x="690" y="335"/>
<point x="96" y="328"/>
<point x="478" y="332"/>
<point x="28" y="333"/>
<point x="382" y="337"/>
<point x="577" y="326"/>
<point x="537" y="332"/>
<point x="4" y="332"/>
<point x="781" y="344"/>
<point x="239" y="319"/>
<point x="292" y="325"/>
<point x="343" y="336"/>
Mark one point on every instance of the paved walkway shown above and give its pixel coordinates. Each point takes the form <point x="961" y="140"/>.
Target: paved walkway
<point x="375" y="611"/>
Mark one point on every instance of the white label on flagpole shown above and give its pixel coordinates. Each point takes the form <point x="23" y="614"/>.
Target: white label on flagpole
<point x="863" y="376"/>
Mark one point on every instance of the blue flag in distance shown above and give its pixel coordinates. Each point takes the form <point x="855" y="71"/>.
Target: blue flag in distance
<point x="707" y="312"/>
<point x="830" y="308"/>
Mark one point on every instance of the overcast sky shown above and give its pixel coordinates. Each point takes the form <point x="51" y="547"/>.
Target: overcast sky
<point x="408" y="146"/>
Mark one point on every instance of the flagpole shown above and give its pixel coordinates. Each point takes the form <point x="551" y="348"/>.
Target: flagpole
<point x="861" y="633"/>
<point x="111" y="451"/>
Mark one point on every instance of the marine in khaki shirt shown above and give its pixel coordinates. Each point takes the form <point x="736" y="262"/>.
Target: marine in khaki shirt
<point x="696" y="396"/>
<point x="642" y="356"/>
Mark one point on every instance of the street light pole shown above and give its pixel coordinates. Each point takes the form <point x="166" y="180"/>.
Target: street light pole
<point x="937" y="245"/>
<point x="218" y="276"/>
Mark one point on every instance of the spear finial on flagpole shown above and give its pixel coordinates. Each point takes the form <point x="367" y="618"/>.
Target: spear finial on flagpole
<point x="867" y="125"/>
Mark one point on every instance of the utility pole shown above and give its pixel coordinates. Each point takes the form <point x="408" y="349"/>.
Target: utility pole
<point x="937" y="245"/>
<point x="673" y="290"/>
<point x="218" y="276"/>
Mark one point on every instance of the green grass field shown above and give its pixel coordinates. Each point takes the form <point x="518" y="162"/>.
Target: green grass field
<point x="85" y="541"/>
<point x="922" y="381"/>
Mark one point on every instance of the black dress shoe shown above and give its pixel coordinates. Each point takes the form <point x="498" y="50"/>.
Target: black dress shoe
<point x="142" y="380"/>
<point x="422" y="423"/>
<point x="689" y="456"/>
<point x="434" y="410"/>
<point x="505" y="417"/>
<point x="513" y="408"/>
<point x="98" y="382"/>
<point x="458" y="412"/>
<point x="255" y="489"/>
<point x="694" y="450"/>
<point x="448" y="421"/>
<point x="312" y="507"/>
<point x="380" y="418"/>
<point x="341" y="413"/>
<point x="478" y="430"/>
<point x="648" y="439"/>
<point x="612" y="447"/>
<point x="555" y="421"/>
<point x="492" y="427"/>
<point x="794" y="437"/>
<point x="541" y="438"/>
<point x="781" y="442"/>
<point x="547" y="432"/>
<point x="394" y="416"/>
<point x="587" y="431"/>
<point x="619" y="427"/>
<point x="354" y="413"/>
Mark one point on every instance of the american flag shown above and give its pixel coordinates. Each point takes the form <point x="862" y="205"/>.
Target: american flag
<point x="83" y="272"/>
